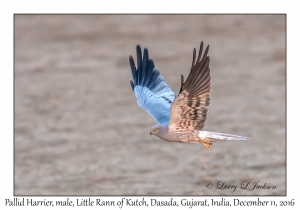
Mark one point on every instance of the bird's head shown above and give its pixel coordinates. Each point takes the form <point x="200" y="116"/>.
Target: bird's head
<point x="154" y="130"/>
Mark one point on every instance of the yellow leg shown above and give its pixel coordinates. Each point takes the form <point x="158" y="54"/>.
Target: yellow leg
<point x="208" y="145"/>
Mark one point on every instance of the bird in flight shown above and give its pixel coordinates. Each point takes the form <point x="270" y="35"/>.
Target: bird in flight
<point x="179" y="118"/>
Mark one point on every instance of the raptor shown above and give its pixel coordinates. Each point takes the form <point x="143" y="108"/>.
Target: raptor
<point x="181" y="117"/>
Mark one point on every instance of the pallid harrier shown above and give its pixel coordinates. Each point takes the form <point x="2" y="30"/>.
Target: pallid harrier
<point x="180" y="118"/>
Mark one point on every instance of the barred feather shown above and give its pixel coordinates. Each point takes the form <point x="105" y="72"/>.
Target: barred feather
<point x="188" y="111"/>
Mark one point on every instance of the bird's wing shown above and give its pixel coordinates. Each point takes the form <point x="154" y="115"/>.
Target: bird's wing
<point x="188" y="111"/>
<point x="151" y="91"/>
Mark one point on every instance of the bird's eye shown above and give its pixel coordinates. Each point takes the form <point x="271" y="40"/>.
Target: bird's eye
<point x="155" y="129"/>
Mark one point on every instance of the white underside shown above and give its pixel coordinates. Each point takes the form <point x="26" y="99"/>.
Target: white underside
<point x="202" y="135"/>
<point x="206" y="135"/>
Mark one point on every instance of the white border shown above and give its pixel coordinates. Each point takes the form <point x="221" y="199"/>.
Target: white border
<point x="8" y="8"/>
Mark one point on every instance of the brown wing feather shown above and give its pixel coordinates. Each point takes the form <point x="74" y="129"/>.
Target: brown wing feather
<point x="188" y="111"/>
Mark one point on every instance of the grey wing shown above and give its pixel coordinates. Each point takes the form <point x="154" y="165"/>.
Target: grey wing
<point x="188" y="111"/>
<point x="151" y="91"/>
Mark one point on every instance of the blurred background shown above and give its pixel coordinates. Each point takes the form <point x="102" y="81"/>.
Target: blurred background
<point x="79" y="130"/>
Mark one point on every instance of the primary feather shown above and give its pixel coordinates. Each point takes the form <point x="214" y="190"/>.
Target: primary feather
<point x="151" y="91"/>
<point x="189" y="111"/>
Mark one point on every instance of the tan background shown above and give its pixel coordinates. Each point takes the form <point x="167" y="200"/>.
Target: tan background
<point x="79" y="130"/>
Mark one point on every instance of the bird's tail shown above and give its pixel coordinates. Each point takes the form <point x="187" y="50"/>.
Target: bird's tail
<point x="207" y="137"/>
<point x="224" y="136"/>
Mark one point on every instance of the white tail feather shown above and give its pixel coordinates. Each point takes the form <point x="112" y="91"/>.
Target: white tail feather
<point x="224" y="136"/>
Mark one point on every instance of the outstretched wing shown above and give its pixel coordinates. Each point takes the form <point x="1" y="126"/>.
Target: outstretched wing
<point x="151" y="91"/>
<point x="188" y="111"/>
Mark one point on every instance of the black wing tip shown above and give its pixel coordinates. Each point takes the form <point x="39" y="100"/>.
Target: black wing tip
<point x="146" y="54"/>
<point x="194" y="52"/>
<point x="194" y="57"/>
<point x="144" y="69"/>
<point x="152" y="62"/>
<point x="182" y="81"/>
<point x="139" y="49"/>
<point x="202" y="44"/>
<point x="205" y="52"/>
<point x="207" y="48"/>
<point x="198" y="68"/>
<point x="131" y="60"/>
<point x="132" y="85"/>
<point x="132" y="66"/>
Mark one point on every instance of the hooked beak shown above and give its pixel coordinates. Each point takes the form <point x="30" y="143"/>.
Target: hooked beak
<point x="151" y="133"/>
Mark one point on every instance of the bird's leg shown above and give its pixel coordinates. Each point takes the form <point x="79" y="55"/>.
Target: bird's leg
<point x="206" y="144"/>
